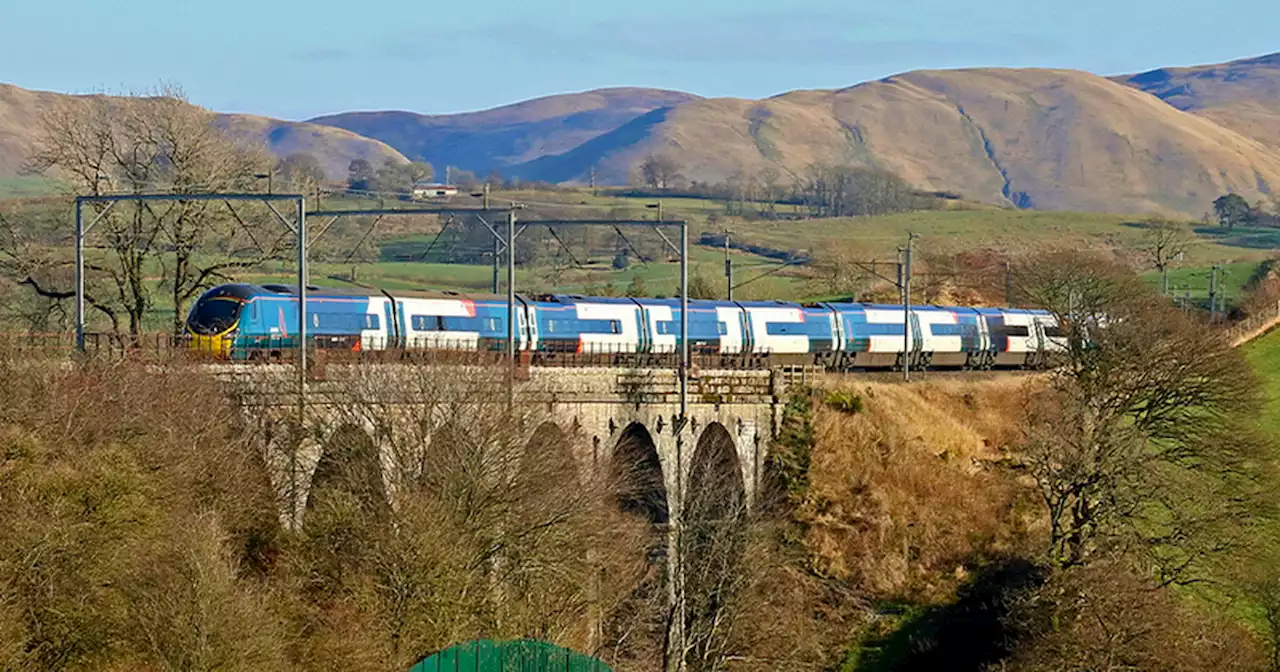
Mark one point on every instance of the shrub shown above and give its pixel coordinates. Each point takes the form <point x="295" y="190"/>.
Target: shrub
<point x="844" y="401"/>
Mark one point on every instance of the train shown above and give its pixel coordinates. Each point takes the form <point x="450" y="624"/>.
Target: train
<point x="249" y="322"/>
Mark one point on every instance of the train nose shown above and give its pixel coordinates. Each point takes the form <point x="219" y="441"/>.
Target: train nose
<point x="217" y="346"/>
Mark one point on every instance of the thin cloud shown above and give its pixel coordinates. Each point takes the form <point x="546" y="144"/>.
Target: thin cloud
<point x="797" y="40"/>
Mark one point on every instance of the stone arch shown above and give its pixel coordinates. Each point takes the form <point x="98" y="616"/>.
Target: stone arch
<point x="715" y="486"/>
<point x="714" y="539"/>
<point x="636" y="471"/>
<point x="549" y="453"/>
<point x="350" y="467"/>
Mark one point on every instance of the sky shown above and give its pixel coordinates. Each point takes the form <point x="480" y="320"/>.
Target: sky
<point x="297" y="60"/>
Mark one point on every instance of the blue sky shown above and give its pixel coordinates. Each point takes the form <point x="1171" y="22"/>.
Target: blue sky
<point x="296" y="59"/>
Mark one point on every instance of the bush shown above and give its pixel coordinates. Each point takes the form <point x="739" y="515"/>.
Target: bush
<point x="844" y="401"/>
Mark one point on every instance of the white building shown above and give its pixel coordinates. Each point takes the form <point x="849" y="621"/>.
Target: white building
<point x="424" y="191"/>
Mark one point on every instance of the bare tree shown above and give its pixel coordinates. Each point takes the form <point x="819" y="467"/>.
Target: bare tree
<point x="845" y="191"/>
<point x="301" y="171"/>
<point x="149" y="144"/>
<point x="1144" y="440"/>
<point x="495" y="530"/>
<point x="660" y="171"/>
<point x="1108" y="617"/>
<point x="771" y="189"/>
<point x="1163" y="243"/>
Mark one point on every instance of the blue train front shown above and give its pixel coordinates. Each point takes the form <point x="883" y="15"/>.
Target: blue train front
<point x="241" y="321"/>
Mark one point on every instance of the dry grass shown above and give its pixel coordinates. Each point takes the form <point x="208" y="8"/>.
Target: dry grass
<point x="905" y="500"/>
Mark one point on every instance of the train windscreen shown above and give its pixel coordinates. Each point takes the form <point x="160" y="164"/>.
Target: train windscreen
<point x="214" y="315"/>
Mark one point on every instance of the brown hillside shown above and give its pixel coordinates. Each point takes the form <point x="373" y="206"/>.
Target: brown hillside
<point x="1037" y="138"/>
<point x="1241" y="95"/>
<point x="511" y="134"/>
<point x="335" y="148"/>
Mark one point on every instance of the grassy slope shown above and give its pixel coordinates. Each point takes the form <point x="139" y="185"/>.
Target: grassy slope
<point x="1264" y="354"/>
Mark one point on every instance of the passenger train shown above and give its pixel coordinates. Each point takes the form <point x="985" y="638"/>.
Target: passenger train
<point x="241" y="322"/>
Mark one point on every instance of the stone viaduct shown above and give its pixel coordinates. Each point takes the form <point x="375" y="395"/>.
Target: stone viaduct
<point x="605" y="415"/>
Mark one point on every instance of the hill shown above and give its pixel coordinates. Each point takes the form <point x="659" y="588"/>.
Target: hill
<point x="334" y="147"/>
<point x="1241" y="95"/>
<point x="508" y="135"/>
<point x="20" y="111"/>
<point x="1048" y="139"/>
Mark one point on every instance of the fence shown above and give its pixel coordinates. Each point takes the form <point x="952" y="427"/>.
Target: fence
<point x="322" y="350"/>
<point x="1255" y="326"/>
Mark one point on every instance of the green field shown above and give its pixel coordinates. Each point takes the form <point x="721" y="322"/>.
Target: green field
<point x="24" y="187"/>
<point x="950" y="231"/>
<point x="1193" y="283"/>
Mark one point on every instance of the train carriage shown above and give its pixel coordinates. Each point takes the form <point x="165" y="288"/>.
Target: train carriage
<point x="240" y="321"/>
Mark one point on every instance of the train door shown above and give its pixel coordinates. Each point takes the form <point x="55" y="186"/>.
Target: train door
<point x="402" y="338"/>
<point x="732" y="337"/>
<point x="526" y="328"/>
<point x="657" y="317"/>
<point x="917" y="341"/>
<point x="981" y="356"/>
<point x="393" y="324"/>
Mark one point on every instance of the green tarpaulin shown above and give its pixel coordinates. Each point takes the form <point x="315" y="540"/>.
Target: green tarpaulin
<point x="526" y="655"/>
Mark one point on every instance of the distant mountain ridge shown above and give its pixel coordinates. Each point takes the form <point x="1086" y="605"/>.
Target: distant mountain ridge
<point x="510" y="135"/>
<point x="1241" y="95"/>
<point x="1170" y="140"/>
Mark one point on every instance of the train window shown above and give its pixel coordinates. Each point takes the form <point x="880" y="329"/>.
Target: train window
<point x="476" y="324"/>
<point x="1011" y="330"/>
<point x="214" y="315"/>
<point x="954" y="329"/>
<point x="343" y="322"/>
<point x="697" y="329"/>
<point x="1053" y="331"/>
<point x="425" y="323"/>
<point x="575" y="326"/>
<point x="875" y="329"/>
<point x="798" y="329"/>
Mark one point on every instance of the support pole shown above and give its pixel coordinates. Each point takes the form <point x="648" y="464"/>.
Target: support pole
<point x="497" y="263"/>
<point x="684" y="319"/>
<point x="1213" y="294"/>
<point x="497" y="245"/>
<point x="302" y="360"/>
<point x="1008" y="284"/>
<point x="302" y="296"/>
<point x="79" y="276"/>
<point x="906" y="309"/>
<point x="728" y="268"/>
<point x="511" y="308"/>
<point x="680" y="634"/>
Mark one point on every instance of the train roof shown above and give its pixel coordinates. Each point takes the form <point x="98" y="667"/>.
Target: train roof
<point x="247" y="291"/>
